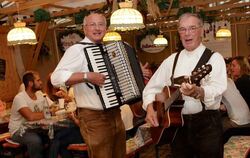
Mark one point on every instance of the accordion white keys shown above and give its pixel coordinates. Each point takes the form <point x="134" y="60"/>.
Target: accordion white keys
<point x="118" y="62"/>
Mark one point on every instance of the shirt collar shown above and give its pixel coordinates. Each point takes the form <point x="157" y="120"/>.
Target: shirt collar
<point x="196" y="52"/>
<point x="86" y="39"/>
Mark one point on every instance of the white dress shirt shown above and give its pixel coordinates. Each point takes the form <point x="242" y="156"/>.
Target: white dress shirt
<point x="237" y="107"/>
<point x="74" y="60"/>
<point x="214" y="84"/>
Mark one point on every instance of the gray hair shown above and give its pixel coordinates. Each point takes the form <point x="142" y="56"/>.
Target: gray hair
<point x="186" y="15"/>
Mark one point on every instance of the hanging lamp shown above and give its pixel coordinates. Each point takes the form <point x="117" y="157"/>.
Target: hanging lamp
<point x="160" y="41"/>
<point x="223" y="32"/>
<point x="111" y="36"/>
<point x="21" y="34"/>
<point x="126" y="18"/>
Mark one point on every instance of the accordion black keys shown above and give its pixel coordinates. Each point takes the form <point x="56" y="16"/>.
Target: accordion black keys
<point x="118" y="62"/>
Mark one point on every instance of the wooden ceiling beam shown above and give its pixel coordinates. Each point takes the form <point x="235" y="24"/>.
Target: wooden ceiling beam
<point x="226" y="6"/>
<point x="40" y="30"/>
<point x="229" y="12"/>
<point x="27" y="5"/>
<point x="197" y="2"/>
<point x="58" y="6"/>
<point x="71" y="11"/>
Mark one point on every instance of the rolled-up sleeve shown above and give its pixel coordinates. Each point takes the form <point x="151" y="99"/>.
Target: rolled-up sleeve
<point x="157" y="82"/>
<point x="69" y="63"/>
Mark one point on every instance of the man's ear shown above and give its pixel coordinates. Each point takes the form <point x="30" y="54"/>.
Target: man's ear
<point x="31" y="83"/>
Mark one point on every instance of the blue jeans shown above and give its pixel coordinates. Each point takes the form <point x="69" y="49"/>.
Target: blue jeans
<point x="62" y="139"/>
<point x="34" y="142"/>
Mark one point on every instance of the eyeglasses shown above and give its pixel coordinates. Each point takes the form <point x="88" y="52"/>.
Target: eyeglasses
<point x="96" y="25"/>
<point x="190" y="29"/>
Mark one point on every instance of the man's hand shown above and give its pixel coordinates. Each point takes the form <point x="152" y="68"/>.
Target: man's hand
<point x="151" y="117"/>
<point x="96" y="78"/>
<point x="192" y="90"/>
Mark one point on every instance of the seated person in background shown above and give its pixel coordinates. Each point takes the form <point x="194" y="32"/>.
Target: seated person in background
<point x="236" y="107"/>
<point x="27" y="106"/>
<point x="228" y="62"/>
<point x="54" y="93"/>
<point x="64" y="136"/>
<point x="241" y="75"/>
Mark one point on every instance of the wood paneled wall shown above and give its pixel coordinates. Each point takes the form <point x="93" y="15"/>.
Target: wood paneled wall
<point x="9" y="86"/>
<point x="151" y="58"/>
<point x="241" y="39"/>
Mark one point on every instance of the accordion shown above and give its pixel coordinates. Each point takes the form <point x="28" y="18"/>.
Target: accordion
<point x="118" y="62"/>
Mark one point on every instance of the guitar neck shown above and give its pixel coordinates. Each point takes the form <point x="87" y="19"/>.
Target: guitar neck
<point x="174" y="95"/>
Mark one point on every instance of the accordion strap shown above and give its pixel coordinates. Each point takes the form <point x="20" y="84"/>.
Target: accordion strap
<point x="86" y="43"/>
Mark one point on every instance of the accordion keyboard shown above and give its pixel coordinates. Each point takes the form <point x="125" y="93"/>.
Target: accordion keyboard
<point x="112" y="60"/>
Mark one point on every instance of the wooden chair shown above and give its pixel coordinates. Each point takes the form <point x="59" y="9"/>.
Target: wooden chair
<point x="79" y="150"/>
<point x="3" y="136"/>
<point x="10" y="148"/>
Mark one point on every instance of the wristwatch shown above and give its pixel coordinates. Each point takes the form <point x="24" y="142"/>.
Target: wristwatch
<point x="85" y="77"/>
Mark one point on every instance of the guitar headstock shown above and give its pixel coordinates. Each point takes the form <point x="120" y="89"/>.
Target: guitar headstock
<point x="196" y="75"/>
<point x="200" y="73"/>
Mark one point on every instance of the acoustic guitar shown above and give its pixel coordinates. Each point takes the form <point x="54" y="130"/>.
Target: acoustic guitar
<point x="169" y="104"/>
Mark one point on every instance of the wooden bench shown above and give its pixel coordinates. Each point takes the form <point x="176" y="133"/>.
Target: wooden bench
<point x="4" y="136"/>
<point x="78" y="149"/>
<point x="10" y="148"/>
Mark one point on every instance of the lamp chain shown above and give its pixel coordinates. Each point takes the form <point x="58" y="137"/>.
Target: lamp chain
<point x="18" y="11"/>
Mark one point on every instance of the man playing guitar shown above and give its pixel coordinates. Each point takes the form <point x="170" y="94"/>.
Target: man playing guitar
<point x="201" y="134"/>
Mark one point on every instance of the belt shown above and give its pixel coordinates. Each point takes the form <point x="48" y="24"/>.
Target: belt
<point x="99" y="111"/>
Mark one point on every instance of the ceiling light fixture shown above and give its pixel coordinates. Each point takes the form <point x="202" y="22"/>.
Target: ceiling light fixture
<point x="21" y="34"/>
<point x="111" y="36"/>
<point x="223" y="32"/>
<point x="160" y="41"/>
<point x="126" y="18"/>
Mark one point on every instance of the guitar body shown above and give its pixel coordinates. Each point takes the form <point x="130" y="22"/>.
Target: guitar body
<point x="169" y="118"/>
<point x="169" y="104"/>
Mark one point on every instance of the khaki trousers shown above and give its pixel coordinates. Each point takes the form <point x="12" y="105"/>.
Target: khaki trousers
<point x="103" y="132"/>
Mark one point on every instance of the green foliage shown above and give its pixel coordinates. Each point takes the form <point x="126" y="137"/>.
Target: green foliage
<point x="41" y="15"/>
<point x="80" y="16"/>
<point x="176" y="4"/>
<point x="186" y="10"/>
<point x="162" y="4"/>
<point x="152" y="31"/>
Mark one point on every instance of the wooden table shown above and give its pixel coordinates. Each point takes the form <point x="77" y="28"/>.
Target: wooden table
<point x="52" y="124"/>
